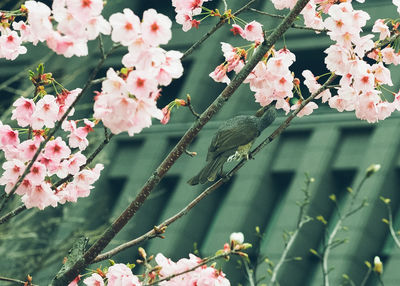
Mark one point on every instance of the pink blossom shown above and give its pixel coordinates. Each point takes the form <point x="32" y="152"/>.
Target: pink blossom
<point x="232" y="57"/>
<point x="94" y="280"/>
<point x="367" y="109"/>
<point x="85" y="9"/>
<point x="45" y="113"/>
<point x="12" y="170"/>
<point x="253" y="32"/>
<point x="65" y="99"/>
<point x="382" y="74"/>
<point x="156" y="28"/>
<point x="188" y="6"/>
<point x="23" y="111"/>
<point x="364" y="82"/>
<point x="10" y="45"/>
<point x="71" y="165"/>
<point x="40" y="196"/>
<point x="389" y="56"/>
<point x="385" y="109"/>
<point x="283" y="104"/>
<point x="306" y="110"/>
<point x="140" y="83"/>
<point x="77" y="136"/>
<point x="114" y="84"/>
<point x="87" y="177"/>
<point x="115" y="112"/>
<point x="171" y="68"/>
<point x="186" y="20"/>
<point x="312" y="19"/>
<point x="28" y="148"/>
<point x="25" y="32"/>
<point x="282" y="4"/>
<point x="397" y="3"/>
<point x="120" y="275"/>
<point x="66" y="45"/>
<point x="219" y="74"/>
<point x="97" y="25"/>
<point x="37" y="173"/>
<point x="381" y="28"/>
<point x="125" y="27"/>
<point x="237" y="30"/>
<point x="8" y="137"/>
<point x="56" y="149"/>
<point x="337" y="59"/>
<point x="363" y="44"/>
<point x="38" y="19"/>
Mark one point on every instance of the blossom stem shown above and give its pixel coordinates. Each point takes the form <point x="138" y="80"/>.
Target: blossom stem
<point x="214" y="29"/>
<point x="390" y="223"/>
<point x="16" y="281"/>
<point x="281" y="17"/>
<point x="338" y="225"/>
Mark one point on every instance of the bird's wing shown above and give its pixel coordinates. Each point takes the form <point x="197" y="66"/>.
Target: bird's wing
<point x="229" y="137"/>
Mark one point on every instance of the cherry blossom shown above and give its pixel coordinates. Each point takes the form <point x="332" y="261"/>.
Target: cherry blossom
<point x="10" y="45"/>
<point x="94" y="280"/>
<point x="40" y="196"/>
<point x="24" y="109"/>
<point x="156" y="28"/>
<point x="381" y="28"/>
<point x="120" y="274"/>
<point x="253" y="32"/>
<point x="125" y="27"/>
<point x="46" y="112"/>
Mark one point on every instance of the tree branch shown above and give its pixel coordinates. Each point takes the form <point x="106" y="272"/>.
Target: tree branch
<point x="180" y="147"/>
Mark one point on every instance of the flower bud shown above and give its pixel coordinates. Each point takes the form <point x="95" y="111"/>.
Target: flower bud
<point x="372" y="170"/>
<point x="378" y="266"/>
<point x="236" y="238"/>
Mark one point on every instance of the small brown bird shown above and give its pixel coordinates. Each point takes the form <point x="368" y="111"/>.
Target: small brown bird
<point x="232" y="141"/>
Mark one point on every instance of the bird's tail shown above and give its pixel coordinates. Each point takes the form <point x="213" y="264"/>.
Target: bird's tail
<point x="209" y="172"/>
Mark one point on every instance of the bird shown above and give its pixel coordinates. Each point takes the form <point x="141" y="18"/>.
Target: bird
<point x="232" y="142"/>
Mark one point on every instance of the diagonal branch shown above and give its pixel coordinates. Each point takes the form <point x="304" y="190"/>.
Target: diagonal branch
<point x="179" y="148"/>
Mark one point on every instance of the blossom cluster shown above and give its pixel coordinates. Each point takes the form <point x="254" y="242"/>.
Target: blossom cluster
<point x="359" y="87"/>
<point x="56" y="160"/>
<point x="120" y="274"/>
<point x="66" y="27"/>
<point x="201" y="276"/>
<point x="361" y="83"/>
<point x="186" y="10"/>
<point x="128" y="98"/>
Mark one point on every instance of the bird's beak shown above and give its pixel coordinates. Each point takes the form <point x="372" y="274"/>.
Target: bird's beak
<point x="262" y="110"/>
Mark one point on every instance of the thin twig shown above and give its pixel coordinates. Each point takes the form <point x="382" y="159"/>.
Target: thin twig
<point x="338" y="225"/>
<point x="366" y="276"/>
<point x="12" y="213"/>
<point x="189" y="105"/>
<point x="392" y="231"/>
<point x="293" y="25"/>
<point x="225" y="5"/>
<point x="156" y="230"/>
<point x="301" y="221"/>
<point x="16" y="281"/>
